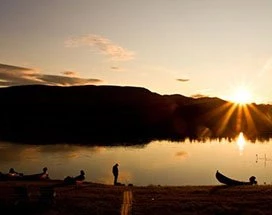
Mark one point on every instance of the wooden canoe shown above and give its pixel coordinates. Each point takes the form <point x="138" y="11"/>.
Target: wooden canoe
<point x="232" y="182"/>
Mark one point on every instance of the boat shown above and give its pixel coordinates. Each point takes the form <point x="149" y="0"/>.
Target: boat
<point x="232" y="182"/>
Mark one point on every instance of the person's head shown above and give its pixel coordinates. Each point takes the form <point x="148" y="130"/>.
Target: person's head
<point x="82" y="172"/>
<point x="44" y="169"/>
<point x="116" y="164"/>
<point x="252" y="180"/>
<point x="11" y="170"/>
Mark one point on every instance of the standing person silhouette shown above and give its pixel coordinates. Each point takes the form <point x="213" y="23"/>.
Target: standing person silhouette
<point x="115" y="172"/>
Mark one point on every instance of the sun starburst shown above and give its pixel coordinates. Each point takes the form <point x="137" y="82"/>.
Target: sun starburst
<point x="241" y="96"/>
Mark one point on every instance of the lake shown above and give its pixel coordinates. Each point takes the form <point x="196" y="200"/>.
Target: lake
<point x="156" y="163"/>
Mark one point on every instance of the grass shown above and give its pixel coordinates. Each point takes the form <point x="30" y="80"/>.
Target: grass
<point x="91" y="198"/>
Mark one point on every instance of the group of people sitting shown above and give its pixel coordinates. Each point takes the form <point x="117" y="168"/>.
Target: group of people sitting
<point x="14" y="175"/>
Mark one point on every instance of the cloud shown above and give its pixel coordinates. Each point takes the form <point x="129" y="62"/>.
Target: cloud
<point x="70" y="73"/>
<point x="197" y="96"/>
<point x="15" y="75"/>
<point x="104" y="46"/>
<point x="117" y="68"/>
<point x="65" y="80"/>
<point x="182" y="79"/>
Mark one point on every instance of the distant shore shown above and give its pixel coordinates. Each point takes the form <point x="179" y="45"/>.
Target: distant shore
<point x="93" y="198"/>
<point x="111" y="115"/>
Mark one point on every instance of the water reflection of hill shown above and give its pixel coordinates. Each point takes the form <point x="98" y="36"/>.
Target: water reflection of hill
<point x="108" y="114"/>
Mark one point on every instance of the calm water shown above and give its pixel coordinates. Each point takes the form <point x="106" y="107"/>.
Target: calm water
<point x="157" y="163"/>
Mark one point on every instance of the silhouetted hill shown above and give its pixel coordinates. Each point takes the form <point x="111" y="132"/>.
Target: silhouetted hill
<point x="87" y="114"/>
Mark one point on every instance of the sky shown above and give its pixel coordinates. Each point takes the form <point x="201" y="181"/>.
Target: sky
<point x="188" y="47"/>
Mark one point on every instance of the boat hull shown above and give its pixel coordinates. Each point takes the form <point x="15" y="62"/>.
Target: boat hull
<point x="232" y="182"/>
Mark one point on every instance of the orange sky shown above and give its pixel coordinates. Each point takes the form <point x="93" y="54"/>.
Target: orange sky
<point x="187" y="47"/>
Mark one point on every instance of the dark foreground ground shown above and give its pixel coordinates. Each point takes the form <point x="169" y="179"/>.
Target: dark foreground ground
<point x="91" y="198"/>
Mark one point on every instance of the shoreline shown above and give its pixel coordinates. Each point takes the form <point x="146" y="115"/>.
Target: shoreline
<point x="94" y="198"/>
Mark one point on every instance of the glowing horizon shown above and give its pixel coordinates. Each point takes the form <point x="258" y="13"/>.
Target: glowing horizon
<point x="191" y="48"/>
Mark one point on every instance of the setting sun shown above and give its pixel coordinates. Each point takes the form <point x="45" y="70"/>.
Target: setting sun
<point x="241" y="96"/>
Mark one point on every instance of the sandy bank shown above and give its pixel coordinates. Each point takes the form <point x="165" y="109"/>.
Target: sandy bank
<point x="92" y="198"/>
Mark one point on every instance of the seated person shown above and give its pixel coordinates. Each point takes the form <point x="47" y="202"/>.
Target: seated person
<point x="76" y="179"/>
<point x="252" y="180"/>
<point x="38" y="176"/>
<point x="13" y="173"/>
<point x="44" y="174"/>
<point x="81" y="176"/>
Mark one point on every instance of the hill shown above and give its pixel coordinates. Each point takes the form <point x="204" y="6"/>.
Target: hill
<point x="86" y="114"/>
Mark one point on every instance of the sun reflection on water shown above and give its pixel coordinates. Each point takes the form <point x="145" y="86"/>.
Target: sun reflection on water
<point x="241" y="142"/>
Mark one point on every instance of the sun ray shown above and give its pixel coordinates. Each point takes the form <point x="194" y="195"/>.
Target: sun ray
<point x="226" y="110"/>
<point x="239" y="118"/>
<point x="217" y="111"/>
<point x="226" y="119"/>
<point x="263" y="116"/>
<point x="229" y="119"/>
<point x="250" y="123"/>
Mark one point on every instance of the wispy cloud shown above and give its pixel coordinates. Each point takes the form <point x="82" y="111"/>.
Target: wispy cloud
<point x="182" y="79"/>
<point x="117" y="68"/>
<point x="197" y="96"/>
<point x="65" y="80"/>
<point x="14" y="75"/>
<point x="70" y="73"/>
<point x="104" y="46"/>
